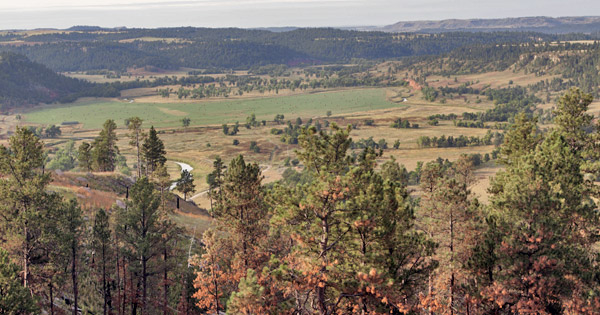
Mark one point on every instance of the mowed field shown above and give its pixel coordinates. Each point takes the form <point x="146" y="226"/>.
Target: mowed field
<point x="92" y="113"/>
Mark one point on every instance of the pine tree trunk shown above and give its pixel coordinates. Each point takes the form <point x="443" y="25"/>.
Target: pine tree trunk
<point x="321" y="298"/>
<point x="135" y="298"/>
<point x="51" y="298"/>
<point x="137" y="144"/>
<point x="452" y="262"/>
<point x="104" y="291"/>
<point x="244" y="242"/>
<point x="165" y="282"/>
<point x="211" y="203"/>
<point x="144" y="283"/>
<point x="26" y="256"/>
<point x="162" y="197"/>
<point x="74" y="276"/>
<point x="124" y="297"/>
<point x="215" y="284"/>
<point x="363" y="250"/>
<point x="430" y="291"/>
<point x="119" y="286"/>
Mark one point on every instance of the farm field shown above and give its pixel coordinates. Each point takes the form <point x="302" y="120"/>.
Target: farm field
<point x="92" y="113"/>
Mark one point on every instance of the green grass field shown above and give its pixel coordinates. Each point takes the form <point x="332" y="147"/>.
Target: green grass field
<point x="93" y="113"/>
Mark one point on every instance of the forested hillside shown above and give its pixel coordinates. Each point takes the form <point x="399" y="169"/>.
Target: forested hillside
<point x="169" y="48"/>
<point x="24" y="83"/>
<point x="571" y="63"/>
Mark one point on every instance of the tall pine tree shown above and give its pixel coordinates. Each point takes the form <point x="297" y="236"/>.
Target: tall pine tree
<point x="105" y="150"/>
<point x="154" y="151"/>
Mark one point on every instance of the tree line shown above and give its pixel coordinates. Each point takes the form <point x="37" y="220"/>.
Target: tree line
<point x="203" y="48"/>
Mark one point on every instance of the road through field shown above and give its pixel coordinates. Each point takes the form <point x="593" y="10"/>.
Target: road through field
<point x="184" y="167"/>
<point x="264" y="168"/>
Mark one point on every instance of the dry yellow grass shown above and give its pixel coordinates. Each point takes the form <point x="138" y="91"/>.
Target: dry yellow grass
<point x="192" y="146"/>
<point x="199" y="146"/>
<point x="496" y="79"/>
<point x="483" y="176"/>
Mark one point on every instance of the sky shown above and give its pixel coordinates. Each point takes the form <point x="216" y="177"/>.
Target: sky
<point x="29" y="14"/>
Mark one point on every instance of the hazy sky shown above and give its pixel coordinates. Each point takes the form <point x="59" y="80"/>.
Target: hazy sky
<point x="26" y="14"/>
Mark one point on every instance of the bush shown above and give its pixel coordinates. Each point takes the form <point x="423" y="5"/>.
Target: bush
<point x="236" y="142"/>
<point x="254" y="147"/>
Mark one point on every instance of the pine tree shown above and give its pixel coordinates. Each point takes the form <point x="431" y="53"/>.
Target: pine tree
<point x="163" y="180"/>
<point x="136" y="136"/>
<point x="102" y="246"/>
<point x="547" y="221"/>
<point x="14" y="298"/>
<point x="217" y="275"/>
<point x="522" y="138"/>
<point x="354" y="249"/>
<point x="247" y="300"/>
<point x="154" y="151"/>
<point x="105" y="148"/>
<point x="84" y="156"/>
<point x="240" y="218"/>
<point x="70" y="231"/>
<point x="24" y="202"/>
<point x="240" y="209"/>
<point x="384" y="247"/>
<point x="214" y="180"/>
<point x="451" y="215"/>
<point x="185" y="184"/>
<point x="139" y="228"/>
<point x="573" y="120"/>
<point x="316" y="217"/>
<point x="170" y="254"/>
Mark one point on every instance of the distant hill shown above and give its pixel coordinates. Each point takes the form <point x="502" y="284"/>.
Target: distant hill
<point x="25" y="83"/>
<point x="231" y="48"/>
<point x="542" y="24"/>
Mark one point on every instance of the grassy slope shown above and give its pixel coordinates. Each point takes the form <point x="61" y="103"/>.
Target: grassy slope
<point x="93" y="113"/>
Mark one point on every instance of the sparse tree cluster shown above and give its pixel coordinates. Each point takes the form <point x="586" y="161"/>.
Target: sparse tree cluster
<point x="103" y="154"/>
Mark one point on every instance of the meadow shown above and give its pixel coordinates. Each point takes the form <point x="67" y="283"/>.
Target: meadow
<point x="204" y="140"/>
<point x="93" y="112"/>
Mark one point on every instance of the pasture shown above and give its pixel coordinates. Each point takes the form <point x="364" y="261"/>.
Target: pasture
<point x="204" y="140"/>
<point x="93" y="112"/>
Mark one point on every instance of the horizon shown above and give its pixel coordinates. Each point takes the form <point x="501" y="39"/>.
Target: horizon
<point x="251" y="14"/>
<point x="357" y="26"/>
